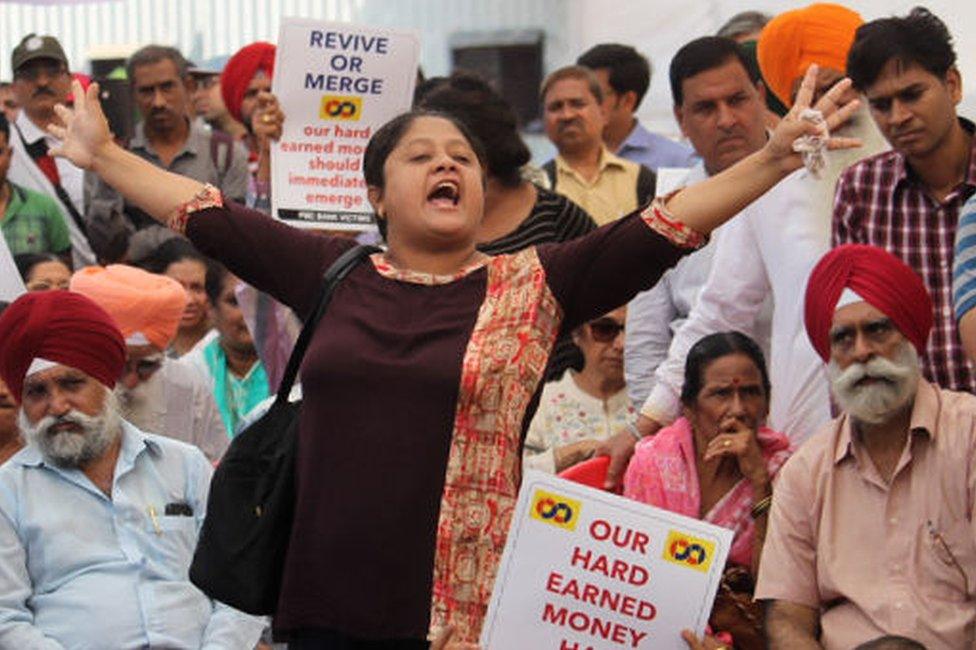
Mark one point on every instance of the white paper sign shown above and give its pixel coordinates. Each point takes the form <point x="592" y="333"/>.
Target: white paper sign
<point x="337" y="84"/>
<point x="586" y="570"/>
<point x="10" y="284"/>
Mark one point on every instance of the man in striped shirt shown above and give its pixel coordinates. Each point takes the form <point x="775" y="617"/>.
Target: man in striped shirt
<point x="907" y="201"/>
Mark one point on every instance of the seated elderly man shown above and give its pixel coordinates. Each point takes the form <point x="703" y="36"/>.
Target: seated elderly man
<point x="871" y="531"/>
<point x="169" y="397"/>
<point x="98" y="520"/>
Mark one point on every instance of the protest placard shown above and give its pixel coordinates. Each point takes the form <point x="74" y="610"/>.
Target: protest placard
<point x="586" y="570"/>
<point x="337" y="84"/>
<point x="10" y="284"/>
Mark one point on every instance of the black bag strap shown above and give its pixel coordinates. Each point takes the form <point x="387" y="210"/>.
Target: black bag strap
<point x="38" y="150"/>
<point x="333" y="276"/>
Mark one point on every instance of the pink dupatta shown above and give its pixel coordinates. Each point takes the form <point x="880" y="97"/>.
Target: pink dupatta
<point x="663" y="474"/>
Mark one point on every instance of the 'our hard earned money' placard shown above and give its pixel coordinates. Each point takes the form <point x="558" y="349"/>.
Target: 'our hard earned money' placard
<point x="337" y="83"/>
<point x="586" y="570"/>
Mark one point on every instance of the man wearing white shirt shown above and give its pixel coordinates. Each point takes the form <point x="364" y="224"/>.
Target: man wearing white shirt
<point x="769" y="250"/>
<point x="41" y="81"/>
<point x="719" y="104"/>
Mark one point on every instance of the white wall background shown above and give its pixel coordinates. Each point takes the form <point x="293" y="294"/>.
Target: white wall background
<point x="658" y="28"/>
<point x="204" y="28"/>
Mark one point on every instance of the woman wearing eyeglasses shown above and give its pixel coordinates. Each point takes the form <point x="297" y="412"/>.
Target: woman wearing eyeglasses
<point x="717" y="463"/>
<point x="583" y="408"/>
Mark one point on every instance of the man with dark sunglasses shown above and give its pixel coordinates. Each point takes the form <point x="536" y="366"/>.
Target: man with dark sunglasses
<point x="42" y="81"/>
<point x="583" y="408"/>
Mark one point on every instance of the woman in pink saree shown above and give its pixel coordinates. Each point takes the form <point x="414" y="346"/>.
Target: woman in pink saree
<point x="717" y="463"/>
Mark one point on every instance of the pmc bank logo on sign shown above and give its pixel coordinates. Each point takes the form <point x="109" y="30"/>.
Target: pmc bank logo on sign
<point x="554" y="509"/>
<point x="339" y="107"/>
<point x="688" y="551"/>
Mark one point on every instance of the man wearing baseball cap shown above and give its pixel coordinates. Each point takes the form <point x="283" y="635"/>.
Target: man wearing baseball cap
<point x="41" y="81"/>
<point x="871" y="531"/>
<point x="98" y="520"/>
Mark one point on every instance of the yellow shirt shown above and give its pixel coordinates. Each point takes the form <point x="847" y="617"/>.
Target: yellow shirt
<point x="609" y="196"/>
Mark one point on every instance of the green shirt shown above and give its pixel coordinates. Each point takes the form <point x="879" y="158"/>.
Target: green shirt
<point x="235" y="397"/>
<point x="32" y="223"/>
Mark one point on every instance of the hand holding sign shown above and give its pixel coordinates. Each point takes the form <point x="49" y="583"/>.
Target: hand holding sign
<point x="338" y="83"/>
<point x="586" y="569"/>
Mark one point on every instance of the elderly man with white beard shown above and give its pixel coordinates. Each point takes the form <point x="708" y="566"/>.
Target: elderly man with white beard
<point x="871" y="531"/>
<point x="98" y="520"/>
<point x="158" y="394"/>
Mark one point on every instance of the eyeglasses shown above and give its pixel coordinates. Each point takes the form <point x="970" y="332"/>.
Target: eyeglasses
<point x="32" y="70"/>
<point x="143" y="368"/>
<point x="605" y="330"/>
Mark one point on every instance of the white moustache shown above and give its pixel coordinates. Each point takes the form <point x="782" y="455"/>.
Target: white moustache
<point x="875" y="403"/>
<point x="87" y="440"/>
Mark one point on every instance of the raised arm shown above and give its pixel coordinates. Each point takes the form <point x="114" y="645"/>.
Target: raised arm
<point x="706" y="205"/>
<point x="87" y="142"/>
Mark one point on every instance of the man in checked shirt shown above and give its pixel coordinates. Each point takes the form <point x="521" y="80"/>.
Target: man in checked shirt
<point x="907" y="200"/>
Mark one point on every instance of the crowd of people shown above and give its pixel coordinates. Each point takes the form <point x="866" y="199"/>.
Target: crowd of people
<point x="767" y="326"/>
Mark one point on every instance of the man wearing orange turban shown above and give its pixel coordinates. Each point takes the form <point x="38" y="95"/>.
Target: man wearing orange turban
<point x="157" y="394"/>
<point x="821" y="33"/>
<point x="893" y="471"/>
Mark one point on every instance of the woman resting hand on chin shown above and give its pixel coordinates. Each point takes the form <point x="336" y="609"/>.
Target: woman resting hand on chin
<point x="421" y="375"/>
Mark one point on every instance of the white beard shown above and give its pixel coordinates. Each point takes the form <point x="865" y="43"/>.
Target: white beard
<point x="73" y="449"/>
<point x="141" y="405"/>
<point x="878" y="402"/>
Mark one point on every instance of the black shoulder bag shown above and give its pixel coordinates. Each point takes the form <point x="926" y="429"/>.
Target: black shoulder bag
<point x="240" y="555"/>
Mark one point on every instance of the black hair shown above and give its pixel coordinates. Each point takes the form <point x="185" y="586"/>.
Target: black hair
<point x="25" y="262"/>
<point x="170" y="252"/>
<point x="715" y="346"/>
<point x="704" y="54"/>
<point x="891" y="642"/>
<point x="5" y="127"/>
<point x="629" y="70"/>
<point x="469" y="98"/>
<point x="388" y="136"/>
<point x="154" y="54"/>
<point x="217" y="275"/>
<point x="919" y="38"/>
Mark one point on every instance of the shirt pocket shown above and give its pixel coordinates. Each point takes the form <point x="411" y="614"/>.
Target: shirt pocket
<point x="175" y="537"/>
<point x="947" y="560"/>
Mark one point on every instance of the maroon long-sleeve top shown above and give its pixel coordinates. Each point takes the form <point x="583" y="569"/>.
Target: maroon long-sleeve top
<point x="417" y="392"/>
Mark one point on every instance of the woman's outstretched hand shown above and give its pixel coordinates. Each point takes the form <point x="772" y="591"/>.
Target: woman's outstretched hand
<point x="85" y="130"/>
<point x="779" y="148"/>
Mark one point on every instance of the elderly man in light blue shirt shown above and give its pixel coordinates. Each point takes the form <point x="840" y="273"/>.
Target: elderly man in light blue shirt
<point x="98" y="520"/>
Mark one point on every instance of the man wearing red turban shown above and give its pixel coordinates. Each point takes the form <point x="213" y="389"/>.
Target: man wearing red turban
<point x="894" y="470"/>
<point x="245" y="85"/>
<point x="246" y="74"/>
<point x="98" y="520"/>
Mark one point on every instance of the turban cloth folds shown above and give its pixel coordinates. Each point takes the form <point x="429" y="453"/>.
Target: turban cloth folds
<point x="61" y="327"/>
<point x="239" y="71"/>
<point x="790" y="42"/>
<point x="145" y="306"/>
<point x="877" y="276"/>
